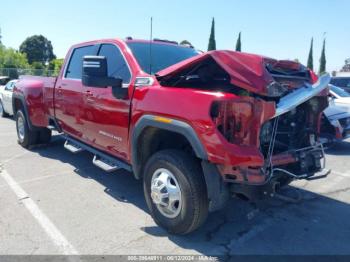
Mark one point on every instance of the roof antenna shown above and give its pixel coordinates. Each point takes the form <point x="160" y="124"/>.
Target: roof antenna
<point x="150" y="47"/>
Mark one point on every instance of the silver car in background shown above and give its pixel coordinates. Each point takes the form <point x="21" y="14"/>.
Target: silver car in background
<point x="6" y="98"/>
<point x="336" y="117"/>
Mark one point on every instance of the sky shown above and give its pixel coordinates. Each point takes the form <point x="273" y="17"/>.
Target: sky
<point x="280" y="29"/>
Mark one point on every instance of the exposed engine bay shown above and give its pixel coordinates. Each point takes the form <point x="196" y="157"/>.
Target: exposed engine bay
<point x="276" y="109"/>
<point x="291" y="140"/>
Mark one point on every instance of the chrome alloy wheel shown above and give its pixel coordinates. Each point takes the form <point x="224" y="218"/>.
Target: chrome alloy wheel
<point x="166" y="193"/>
<point x="20" y="128"/>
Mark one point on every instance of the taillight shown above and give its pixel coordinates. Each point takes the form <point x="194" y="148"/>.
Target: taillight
<point x="314" y="77"/>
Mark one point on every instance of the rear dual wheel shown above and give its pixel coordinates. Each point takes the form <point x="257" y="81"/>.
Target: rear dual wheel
<point x="26" y="136"/>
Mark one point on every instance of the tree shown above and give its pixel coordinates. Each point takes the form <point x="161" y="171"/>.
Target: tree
<point x="239" y="44"/>
<point x="185" y="42"/>
<point x="310" y="59"/>
<point x="212" y="43"/>
<point x="0" y="37"/>
<point x="12" y="60"/>
<point x="56" y="64"/>
<point x="346" y="67"/>
<point x="323" y="59"/>
<point x="38" y="49"/>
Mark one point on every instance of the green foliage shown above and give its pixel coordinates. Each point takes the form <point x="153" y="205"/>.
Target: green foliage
<point x="37" y="65"/>
<point x="323" y="59"/>
<point x="212" y="42"/>
<point x="10" y="58"/>
<point x="38" y="49"/>
<point x="310" y="59"/>
<point x="56" y="64"/>
<point x="0" y="37"/>
<point x="239" y="44"/>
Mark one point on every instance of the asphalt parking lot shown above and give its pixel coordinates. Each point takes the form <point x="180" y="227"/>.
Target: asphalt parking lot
<point x="55" y="202"/>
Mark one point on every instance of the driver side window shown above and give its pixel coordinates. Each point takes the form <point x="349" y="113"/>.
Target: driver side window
<point x="116" y="64"/>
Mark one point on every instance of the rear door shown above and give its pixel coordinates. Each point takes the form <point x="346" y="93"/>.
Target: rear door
<point x="69" y="92"/>
<point x="106" y="118"/>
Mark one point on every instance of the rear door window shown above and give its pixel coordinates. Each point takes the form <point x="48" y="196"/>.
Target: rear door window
<point x="75" y="66"/>
<point x="117" y="66"/>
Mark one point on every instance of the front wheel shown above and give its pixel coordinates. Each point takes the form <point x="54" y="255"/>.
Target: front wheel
<point x="26" y="137"/>
<point x="175" y="191"/>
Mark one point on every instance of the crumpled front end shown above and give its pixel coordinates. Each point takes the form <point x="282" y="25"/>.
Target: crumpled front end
<point x="267" y="130"/>
<point x="286" y="134"/>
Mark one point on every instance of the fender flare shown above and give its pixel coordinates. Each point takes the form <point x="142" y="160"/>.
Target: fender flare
<point x="173" y="125"/>
<point x="25" y="109"/>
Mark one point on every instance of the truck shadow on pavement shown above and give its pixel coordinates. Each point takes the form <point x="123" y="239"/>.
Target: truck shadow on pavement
<point x="341" y="148"/>
<point x="317" y="224"/>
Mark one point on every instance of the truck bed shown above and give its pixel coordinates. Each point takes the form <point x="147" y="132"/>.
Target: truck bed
<point x="42" y="99"/>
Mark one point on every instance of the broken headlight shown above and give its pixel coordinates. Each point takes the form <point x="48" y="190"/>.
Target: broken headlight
<point x="275" y="89"/>
<point x="266" y="133"/>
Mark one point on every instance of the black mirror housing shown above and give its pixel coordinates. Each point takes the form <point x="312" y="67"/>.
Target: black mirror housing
<point x="95" y="73"/>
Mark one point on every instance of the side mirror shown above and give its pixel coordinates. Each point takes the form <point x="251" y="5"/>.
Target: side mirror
<point x="95" y="73"/>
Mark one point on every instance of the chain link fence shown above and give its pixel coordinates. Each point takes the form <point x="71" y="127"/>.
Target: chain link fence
<point x="15" y="73"/>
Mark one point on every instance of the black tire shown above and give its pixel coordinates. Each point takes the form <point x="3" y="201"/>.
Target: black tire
<point x="2" y="110"/>
<point x="29" y="137"/>
<point x="194" y="199"/>
<point x="44" y="136"/>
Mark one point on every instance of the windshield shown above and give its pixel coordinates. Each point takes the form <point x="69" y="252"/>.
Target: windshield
<point x="339" y="91"/>
<point x="163" y="55"/>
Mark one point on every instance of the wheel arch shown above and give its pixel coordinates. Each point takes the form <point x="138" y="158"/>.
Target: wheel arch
<point x="150" y="133"/>
<point x="18" y="102"/>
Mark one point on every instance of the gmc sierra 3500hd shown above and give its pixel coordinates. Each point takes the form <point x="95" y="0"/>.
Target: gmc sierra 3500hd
<point x="197" y="128"/>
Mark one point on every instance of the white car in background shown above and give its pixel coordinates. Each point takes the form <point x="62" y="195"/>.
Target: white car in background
<point x="336" y="118"/>
<point x="6" y="98"/>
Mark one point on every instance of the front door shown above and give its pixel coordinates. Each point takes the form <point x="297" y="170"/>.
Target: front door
<point x="69" y="93"/>
<point x="106" y="118"/>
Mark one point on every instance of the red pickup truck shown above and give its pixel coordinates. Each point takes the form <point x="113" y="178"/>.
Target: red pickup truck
<point x="196" y="127"/>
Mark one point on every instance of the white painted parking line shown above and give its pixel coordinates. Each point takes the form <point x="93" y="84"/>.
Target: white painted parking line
<point x="35" y="179"/>
<point x="14" y="157"/>
<point x="56" y="236"/>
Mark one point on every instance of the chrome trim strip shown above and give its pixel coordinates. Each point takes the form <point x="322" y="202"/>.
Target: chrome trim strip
<point x="148" y="81"/>
<point x="301" y="95"/>
<point x="94" y="66"/>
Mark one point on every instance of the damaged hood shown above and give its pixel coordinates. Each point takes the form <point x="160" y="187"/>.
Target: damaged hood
<point x="248" y="71"/>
